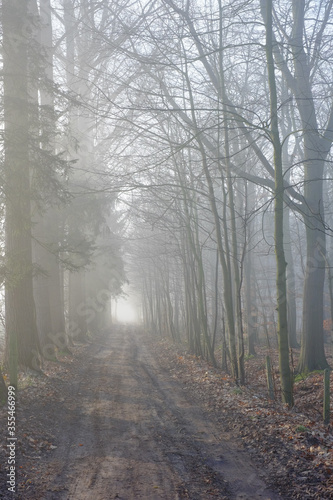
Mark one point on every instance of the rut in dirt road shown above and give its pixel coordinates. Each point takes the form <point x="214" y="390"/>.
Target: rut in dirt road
<point x="130" y="432"/>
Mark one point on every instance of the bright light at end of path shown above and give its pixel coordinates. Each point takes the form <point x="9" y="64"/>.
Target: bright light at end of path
<point x="125" y="312"/>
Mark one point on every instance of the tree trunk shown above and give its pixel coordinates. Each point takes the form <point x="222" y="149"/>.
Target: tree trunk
<point x="291" y="292"/>
<point x="20" y="307"/>
<point x="317" y="144"/>
<point x="55" y="283"/>
<point x="312" y="349"/>
<point x="281" y="288"/>
<point x="250" y="306"/>
<point x="41" y="291"/>
<point x="234" y="243"/>
<point x="3" y="390"/>
<point x="78" y="312"/>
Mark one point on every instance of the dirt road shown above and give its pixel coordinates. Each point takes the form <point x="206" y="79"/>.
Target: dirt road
<point x="126" y="430"/>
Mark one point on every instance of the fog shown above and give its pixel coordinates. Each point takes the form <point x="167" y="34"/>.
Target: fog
<point x="125" y="311"/>
<point x="150" y="133"/>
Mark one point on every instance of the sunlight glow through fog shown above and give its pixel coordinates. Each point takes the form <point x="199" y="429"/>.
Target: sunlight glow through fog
<point x="125" y="312"/>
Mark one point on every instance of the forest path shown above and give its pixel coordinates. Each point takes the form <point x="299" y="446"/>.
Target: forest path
<point x="129" y="431"/>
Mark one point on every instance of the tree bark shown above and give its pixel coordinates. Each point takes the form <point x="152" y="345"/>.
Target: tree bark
<point x="317" y="144"/>
<point x="78" y="310"/>
<point x="3" y="390"/>
<point x="20" y="307"/>
<point x="316" y="148"/>
<point x="281" y="287"/>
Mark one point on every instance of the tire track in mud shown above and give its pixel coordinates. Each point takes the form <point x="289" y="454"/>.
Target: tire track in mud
<point x="130" y="432"/>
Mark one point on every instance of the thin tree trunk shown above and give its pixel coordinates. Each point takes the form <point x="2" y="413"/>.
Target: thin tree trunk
<point x="234" y="254"/>
<point x="281" y="287"/>
<point x="77" y="310"/>
<point x="3" y="390"/>
<point x="51" y="217"/>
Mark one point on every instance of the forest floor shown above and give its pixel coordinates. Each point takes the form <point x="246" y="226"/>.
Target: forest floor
<point x="128" y="418"/>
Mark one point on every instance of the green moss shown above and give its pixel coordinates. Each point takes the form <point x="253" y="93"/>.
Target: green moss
<point x="299" y="377"/>
<point x="237" y="391"/>
<point x="301" y="428"/>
